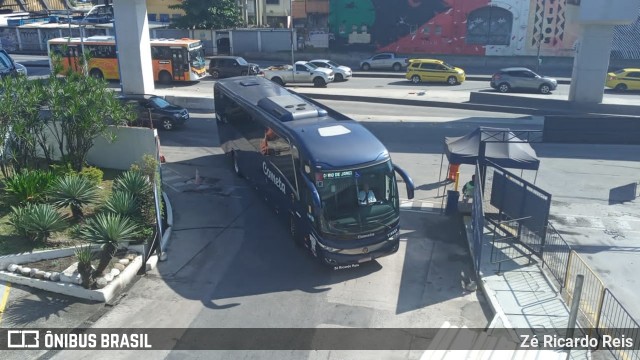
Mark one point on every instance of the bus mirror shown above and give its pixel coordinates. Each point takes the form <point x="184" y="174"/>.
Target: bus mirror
<point x="407" y="180"/>
<point x="315" y="196"/>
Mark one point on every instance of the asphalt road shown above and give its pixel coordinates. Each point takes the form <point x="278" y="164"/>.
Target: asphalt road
<point x="579" y="177"/>
<point x="232" y="264"/>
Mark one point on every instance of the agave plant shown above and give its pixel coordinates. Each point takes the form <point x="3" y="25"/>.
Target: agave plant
<point x="75" y="192"/>
<point x="84" y="254"/>
<point x="109" y="230"/>
<point x="133" y="182"/>
<point x="43" y="219"/>
<point x="28" y="186"/>
<point x="18" y="219"/>
<point x="123" y="203"/>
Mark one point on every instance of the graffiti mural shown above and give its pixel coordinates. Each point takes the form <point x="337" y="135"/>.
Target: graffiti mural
<point x="473" y="27"/>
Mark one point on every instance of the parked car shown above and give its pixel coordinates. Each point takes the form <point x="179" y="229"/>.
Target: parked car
<point x="432" y="70"/>
<point x="341" y="73"/>
<point x="625" y="79"/>
<point x="7" y="65"/>
<point x="228" y="66"/>
<point x="162" y="114"/>
<point x="300" y="72"/>
<point x="384" y="61"/>
<point x="520" y="78"/>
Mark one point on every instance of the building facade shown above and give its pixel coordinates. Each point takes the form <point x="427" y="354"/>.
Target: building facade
<point x="159" y="11"/>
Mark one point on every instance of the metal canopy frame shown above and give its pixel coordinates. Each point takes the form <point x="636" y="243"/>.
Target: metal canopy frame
<point x="496" y="135"/>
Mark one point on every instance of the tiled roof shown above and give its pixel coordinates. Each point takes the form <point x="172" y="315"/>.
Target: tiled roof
<point x="34" y="5"/>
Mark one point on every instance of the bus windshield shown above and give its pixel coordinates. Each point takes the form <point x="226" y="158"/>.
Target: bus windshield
<point x="197" y="58"/>
<point x="360" y="200"/>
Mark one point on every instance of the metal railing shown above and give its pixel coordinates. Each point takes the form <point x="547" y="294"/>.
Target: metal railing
<point x="477" y="221"/>
<point x="555" y="255"/>
<point x="615" y="321"/>
<point x="592" y="289"/>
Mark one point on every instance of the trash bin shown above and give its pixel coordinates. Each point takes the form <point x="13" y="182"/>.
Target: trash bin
<point x="452" y="202"/>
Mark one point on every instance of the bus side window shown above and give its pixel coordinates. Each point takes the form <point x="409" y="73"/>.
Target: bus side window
<point x="281" y="155"/>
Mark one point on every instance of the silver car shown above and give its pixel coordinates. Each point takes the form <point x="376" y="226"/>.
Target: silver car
<point x="520" y="78"/>
<point x="342" y="73"/>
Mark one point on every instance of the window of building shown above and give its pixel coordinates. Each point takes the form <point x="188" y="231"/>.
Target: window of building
<point x="151" y="17"/>
<point x="164" y="17"/>
<point x="489" y="25"/>
<point x="273" y="2"/>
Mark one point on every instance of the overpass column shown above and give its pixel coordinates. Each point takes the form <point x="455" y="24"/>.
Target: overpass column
<point x="134" y="50"/>
<point x="591" y="61"/>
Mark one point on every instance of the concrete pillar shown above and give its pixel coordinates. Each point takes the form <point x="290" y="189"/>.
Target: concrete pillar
<point x="134" y="50"/>
<point x="591" y="63"/>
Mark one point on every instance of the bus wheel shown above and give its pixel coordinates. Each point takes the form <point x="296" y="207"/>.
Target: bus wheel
<point x="165" y="78"/>
<point x="298" y="239"/>
<point x="236" y="167"/>
<point x="96" y="73"/>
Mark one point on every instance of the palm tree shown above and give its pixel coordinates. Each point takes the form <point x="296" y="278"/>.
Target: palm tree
<point x="109" y="230"/>
<point x="75" y="192"/>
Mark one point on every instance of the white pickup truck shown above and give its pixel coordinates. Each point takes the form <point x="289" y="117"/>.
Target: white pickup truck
<point x="300" y="72"/>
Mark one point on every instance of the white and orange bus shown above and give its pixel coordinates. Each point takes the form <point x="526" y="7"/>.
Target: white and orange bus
<point x="172" y="59"/>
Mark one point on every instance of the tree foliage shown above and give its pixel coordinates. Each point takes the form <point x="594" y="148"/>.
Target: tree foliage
<point x="63" y="115"/>
<point x="208" y="14"/>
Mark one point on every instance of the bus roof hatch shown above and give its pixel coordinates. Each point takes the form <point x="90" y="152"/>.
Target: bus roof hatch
<point x="290" y="107"/>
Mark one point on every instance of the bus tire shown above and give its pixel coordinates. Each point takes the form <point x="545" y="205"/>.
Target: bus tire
<point x="164" y="77"/>
<point x="297" y="237"/>
<point x="96" y="73"/>
<point x="236" y="166"/>
<point x="319" y="82"/>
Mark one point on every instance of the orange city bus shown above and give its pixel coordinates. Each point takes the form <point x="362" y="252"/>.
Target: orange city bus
<point x="172" y="59"/>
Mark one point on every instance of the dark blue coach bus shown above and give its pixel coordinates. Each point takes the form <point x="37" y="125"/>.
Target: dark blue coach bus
<point x="332" y="179"/>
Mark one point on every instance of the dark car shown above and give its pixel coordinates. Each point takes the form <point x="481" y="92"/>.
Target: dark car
<point x="163" y="114"/>
<point x="228" y="66"/>
<point x="520" y="78"/>
<point x="7" y="65"/>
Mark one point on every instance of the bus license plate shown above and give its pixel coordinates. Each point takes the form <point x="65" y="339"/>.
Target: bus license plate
<point x="368" y="258"/>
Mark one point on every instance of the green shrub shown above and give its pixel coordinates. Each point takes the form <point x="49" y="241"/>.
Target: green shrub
<point x="84" y="254"/>
<point x="43" y="219"/>
<point x="29" y="186"/>
<point x="123" y="203"/>
<point x="133" y="182"/>
<point x="92" y="173"/>
<point x="75" y="192"/>
<point x="18" y="219"/>
<point x="109" y="230"/>
<point x="63" y="169"/>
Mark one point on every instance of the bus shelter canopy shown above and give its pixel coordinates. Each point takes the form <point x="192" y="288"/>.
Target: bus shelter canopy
<point x="502" y="148"/>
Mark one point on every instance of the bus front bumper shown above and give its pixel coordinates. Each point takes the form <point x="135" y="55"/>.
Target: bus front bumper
<point x="345" y="261"/>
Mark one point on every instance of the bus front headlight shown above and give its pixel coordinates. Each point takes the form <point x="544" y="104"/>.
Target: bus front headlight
<point x="327" y="248"/>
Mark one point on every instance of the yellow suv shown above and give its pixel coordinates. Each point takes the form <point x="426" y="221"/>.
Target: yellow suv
<point x="433" y="71"/>
<point x="625" y="79"/>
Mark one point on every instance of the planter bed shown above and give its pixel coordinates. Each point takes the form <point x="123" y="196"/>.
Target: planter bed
<point x="67" y="282"/>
